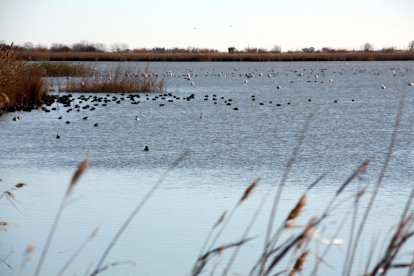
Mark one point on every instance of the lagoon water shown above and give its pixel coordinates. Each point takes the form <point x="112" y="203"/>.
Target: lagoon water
<point x="353" y="120"/>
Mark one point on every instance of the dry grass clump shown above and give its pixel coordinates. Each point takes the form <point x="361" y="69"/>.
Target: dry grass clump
<point x="21" y="84"/>
<point x="119" y="82"/>
<point x="65" y="69"/>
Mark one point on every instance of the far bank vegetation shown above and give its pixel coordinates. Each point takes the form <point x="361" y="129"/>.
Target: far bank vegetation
<point x="85" y="51"/>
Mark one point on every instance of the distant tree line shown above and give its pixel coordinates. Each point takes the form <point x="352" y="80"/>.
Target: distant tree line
<point x="85" y="46"/>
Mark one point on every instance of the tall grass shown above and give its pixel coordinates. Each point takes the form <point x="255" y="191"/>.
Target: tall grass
<point x="65" y="69"/>
<point x="121" y="81"/>
<point x="21" y="84"/>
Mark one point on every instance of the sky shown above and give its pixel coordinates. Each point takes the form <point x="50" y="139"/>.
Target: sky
<point x="213" y="24"/>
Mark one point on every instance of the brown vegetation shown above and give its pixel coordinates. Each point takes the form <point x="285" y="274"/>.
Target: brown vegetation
<point x="21" y="84"/>
<point x="119" y="82"/>
<point x="64" y="69"/>
<point x="218" y="56"/>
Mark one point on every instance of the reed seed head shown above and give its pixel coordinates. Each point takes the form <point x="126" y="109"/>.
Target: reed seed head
<point x="249" y="190"/>
<point x="4" y="226"/>
<point x="307" y="233"/>
<point x="94" y="232"/>
<point x="299" y="264"/>
<point x="10" y="195"/>
<point x="364" y="166"/>
<point x="76" y="176"/>
<point x="29" y="250"/>
<point x="20" y="185"/>
<point x="220" y="220"/>
<point x="295" y="213"/>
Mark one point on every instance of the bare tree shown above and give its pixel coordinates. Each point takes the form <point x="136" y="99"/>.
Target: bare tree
<point x="119" y="47"/>
<point x="411" y="46"/>
<point x="28" y="45"/>
<point x="367" y="47"/>
<point x="308" y="50"/>
<point x="59" y="47"/>
<point x="100" y="47"/>
<point x="276" y="49"/>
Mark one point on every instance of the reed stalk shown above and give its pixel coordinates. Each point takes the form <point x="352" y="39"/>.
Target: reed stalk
<point x="390" y="150"/>
<point x="99" y="268"/>
<point x="196" y="270"/>
<point x="75" y="178"/>
<point x="78" y="251"/>
<point x="282" y="183"/>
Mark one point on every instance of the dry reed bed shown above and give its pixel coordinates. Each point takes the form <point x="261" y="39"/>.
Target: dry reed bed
<point x="64" y="69"/>
<point x="23" y="87"/>
<point x="121" y="81"/>
<point x="21" y="84"/>
<point x="217" y="56"/>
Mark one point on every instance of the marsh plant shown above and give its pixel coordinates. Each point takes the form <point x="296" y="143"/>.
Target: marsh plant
<point x="119" y="81"/>
<point x="21" y="84"/>
<point x="66" y="69"/>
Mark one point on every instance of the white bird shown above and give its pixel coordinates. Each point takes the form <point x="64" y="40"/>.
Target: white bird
<point x="383" y="87"/>
<point x="137" y="118"/>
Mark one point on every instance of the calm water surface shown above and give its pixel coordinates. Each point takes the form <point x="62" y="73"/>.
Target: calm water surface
<point x="229" y="148"/>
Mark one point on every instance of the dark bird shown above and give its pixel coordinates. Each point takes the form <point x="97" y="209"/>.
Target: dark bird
<point x="146" y="148"/>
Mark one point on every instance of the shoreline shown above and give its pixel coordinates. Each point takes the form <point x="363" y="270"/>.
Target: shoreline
<point x="149" y="56"/>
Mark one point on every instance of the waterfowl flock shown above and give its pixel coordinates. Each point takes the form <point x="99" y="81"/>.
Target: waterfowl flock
<point x="277" y="81"/>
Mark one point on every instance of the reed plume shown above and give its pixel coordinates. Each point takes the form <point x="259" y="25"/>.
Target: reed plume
<point x="299" y="264"/>
<point x="75" y="178"/>
<point x="296" y="211"/>
<point x="390" y="150"/>
<point x="249" y="190"/>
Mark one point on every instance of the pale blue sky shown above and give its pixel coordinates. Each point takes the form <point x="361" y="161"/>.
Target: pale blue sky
<point x="218" y="24"/>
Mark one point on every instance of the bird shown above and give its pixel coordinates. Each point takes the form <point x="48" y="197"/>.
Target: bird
<point x="16" y="118"/>
<point x="137" y="118"/>
<point x="96" y="124"/>
<point x="57" y="136"/>
<point x="146" y="148"/>
<point x="201" y="116"/>
<point x="84" y="118"/>
<point x="383" y="87"/>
